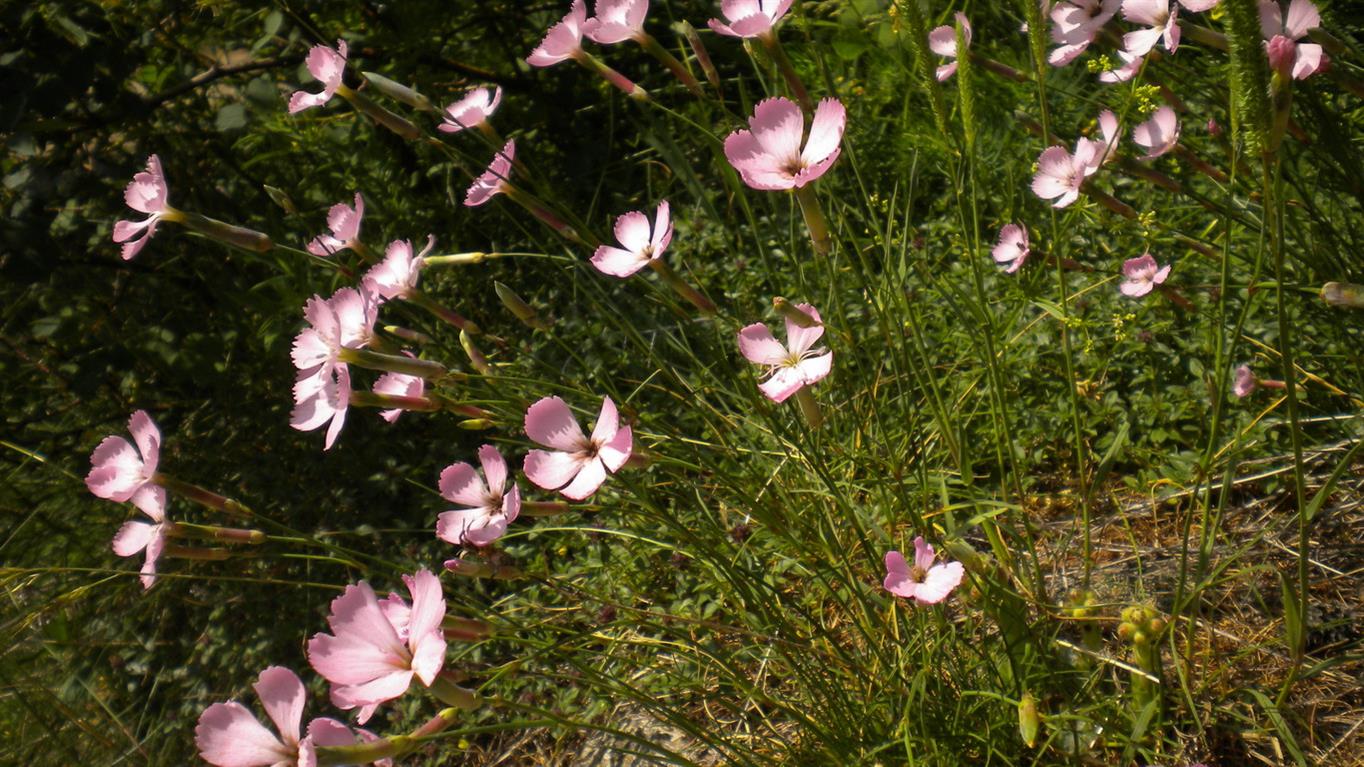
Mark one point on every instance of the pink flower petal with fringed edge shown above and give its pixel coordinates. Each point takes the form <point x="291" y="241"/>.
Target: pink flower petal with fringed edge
<point x="495" y="179"/>
<point x="563" y="40"/>
<point x="471" y="111"/>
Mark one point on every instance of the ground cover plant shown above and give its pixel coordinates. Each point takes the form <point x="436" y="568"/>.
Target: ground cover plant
<point x="756" y="382"/>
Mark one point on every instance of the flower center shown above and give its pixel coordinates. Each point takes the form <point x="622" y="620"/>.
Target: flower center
<point x="917" y="574"/>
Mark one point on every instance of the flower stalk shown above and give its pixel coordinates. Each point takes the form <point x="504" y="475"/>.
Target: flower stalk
<point x="680" y="286"/>
<point x="228" y="234"/>
<point x="815" y="221"/>
<point x="788" y="71"/>
<point x="392" y="363"/>
<point x="809" y="407"/>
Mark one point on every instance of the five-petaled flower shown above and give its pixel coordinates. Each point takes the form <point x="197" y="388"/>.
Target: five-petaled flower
<point x="344" y="223"/>
<point x="472" y="111"/>
<point x="1075" y="24"/>
<point x="770" y="155"/>
<point x="563" y="41"/>
<point x="1061" y="174"/>
<point x="1141" y="275"/>
<point x="616" y="21"/>
<point x="495" y="180"/>
<point x="926" y="583"/>
<point x="1282" y="34"/>
<point x="397" y="275"/>
<point x="1244" y="382"/>
<point x="119" y="472"/>
<point x="791" y="367"/>
<point x="398" y="385"/>
<point x="640" y="244"/>
<point x="1011" y="251"/>
<point x="943" y="41"/>
<point x="146" y="193"/>
<point x="750" y="18"/>
<point x="577" y="465"/>
<point x="322" y="391"/>
<point x="489" y="507"/>
<point x="229" y="735"/>
<point x="1158" y="134"/>
<point x="328" y="66"/>
<point x="376" y="648"/>
<point x="1161" y="18"/>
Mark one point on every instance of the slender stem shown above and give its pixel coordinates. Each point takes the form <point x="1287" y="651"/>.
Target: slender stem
<point x="442" y="311"/>
<point x="788" y="70"/>
<point x="680" y="286"/>
<point x="809" y="407"/>
<point x="670" y="61"/>
<point x="394" y="401"/>
<point x="392" y="363"/>
<point x="815" y="221"/>
<point x="201" y="496"/>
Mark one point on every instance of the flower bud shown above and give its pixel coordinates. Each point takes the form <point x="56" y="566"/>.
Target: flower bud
<point x="1028" y="719"/>
<point x="1125" y="630"/>
<point x="476" y="357"/>
<point x="1282" y="52"/>
<point x="791" y="312"/>
<point x="398" y="92"/>
<point x="282" y="199"/>
<point x="517" y="306"/>
<point x="476" y="424"/>
<point x="1343" y="294"/>
<point x="237" y="236"/>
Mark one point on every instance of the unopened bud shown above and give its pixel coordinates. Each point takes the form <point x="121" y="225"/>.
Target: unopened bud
<point x="1344" y="294"/>
<point x="237" y="236"/>
<point x="1282" y="53"/>
<point x="1139" y="638"/>
<point x="281" y="198"/>
<point x="399" y="92"/>
<point x="1156" y="625"/>
<point x="476" y="424"/>
<point x="517" y="306"/>
<point x="1125" y="630"/>
<point x="794" y="313"/>
<point x="393" y="122"/>
<point x="1028" y="719"/>
<point x="476" y="357"/>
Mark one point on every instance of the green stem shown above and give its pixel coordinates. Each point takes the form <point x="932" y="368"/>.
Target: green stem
<point x="670" y="61"/>
<point x="815" y="221"/>
<point x="788" y="70"/>
<point x="809" y="407"/>
<point x="680" y="286"/>
<point x="391" y="363"/>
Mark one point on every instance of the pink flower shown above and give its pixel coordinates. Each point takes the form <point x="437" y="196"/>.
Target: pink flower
<point x="1142" y="275"/>
<point x="1307" y="58"/>
<point x="1108" y="149"/>
<point x="398" y="385"/>
<point x="1244" y="382"/>
<point x="750" y="18"/>
<point x="472" y="111"/>
<point x="943" y="41"/>
<point x="496" y="179"/>
<point x="1012" y="249"/>
<point x="229" y="735"/>
<point x="617" y="21"/>
<point x="328" y="66"/>
<point x="489" y="508"/>
<point x="1158" y="134"/>
<point x="641" y="245"/>
<point x="147" y="193"/>
<point x="792" y="367"/>
<point x="578" y="465"/>
<point x="322" y="391"/>
<point x="1161" y="19"/>
<point x="1075" y="24"/>
<point x="563" y="41"/>
<point x="136" y="536"/>
<point x="1060" y="174"/>
<point x="1131" y="64"/>
<point x="770" y="157"/>
<point x="375" y="649"/>
<point x="344" y="221"/>
<point x="925" y="582"/>
<point x="119" y="474"/>
<point x="396" y="276"/>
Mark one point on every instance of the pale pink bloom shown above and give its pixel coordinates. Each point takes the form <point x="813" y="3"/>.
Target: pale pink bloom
<point x="1131" y="64"/>
<point x="398" y="385"/>
<point x="1060" y="174"/>
<point x="1198" y="6"/>
<point x="229" y="735"/>
<point x="750" y="18"/>
<point x="1161" y="18"/>
<point x="1108" y="148"/>
<point x="1142" y="275"/>
<point x="397" y="275"/>
<point x="344" y="223"/>
<point x="322" y="391"/>
<point x="1012" y="249"/>
<point x="1244" y="382"/>
<point x="375" y="649"/>
<point x="770" y="156"/>
<point x="578" y="465"/>
<point x="640" y="244"/>
<point x="137" y="535"/>
<point x="925" y="582"/>
<point x="495" y="180"/>
<point x="146" y="193"/>
<point x="1158" y="134"/>
<point x="943" y="41"/>
<point x="327" y="66"/>
<point x="119" y="473"/>
<point x="563" y="41"/>
<point x="471" y="111"/>
<point x="791" y="367"/>
<point x="1307" y="58"/>
<point x="489" y="508"/>
<point x="1075" y="24"/>
<point x="617" y="21"/>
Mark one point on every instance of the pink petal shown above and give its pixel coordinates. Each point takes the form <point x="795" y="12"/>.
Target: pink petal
<point x="1199" y="6"/>
<point x="551" y="470"/>
<point x="752" y="26"/>
<point x="777" y="125"/>
<point x="1158" y="134"/>
<point x="550" y="422"/>
<point x="1140" y="42"/>
<point x="133" y="537"/>
<point x="116" y="471"/>
<point x="428" y="604"/>
<point x="356" y="613"/>
<point x="1147" y="12"/>
<point x="1054" y="170"/>
<point x="826" y="131"/>
<point x="494" y="467"/>
<point x="348" y="659"/>
<point x="1271" y="22"/>
<point x="1309" y="58"/>
<point x="368" y="695"/>
<point x="459" y="483"/>
<point x="939" y="582"/>
<point x="799" y="339"/>
<point x="615" y="452"/>
<point x="154" y="548"/>
<point x="758" y="169"/>
<point x="608" y="422"/>
<point x="943" y="41"/>
<point x="632" y="231"/>
<point x="453" y="526"/>
<point x="148" y="439"/>
<point x="325" y="731"/>
<point x="281" y="693"/>
<point x="758" y="345"/>
<point x="663" y="229"/>
<point x="812" y="172"/>
<point x="897" y="579"/>
<point x="428" y="654"/>
<point x="229" y="736"/>
<point x="945" y="71"/>
<point x="592" y="475"/>
<point x="1302" y="16"/>
<point x="812" y="370"/>
<point x="783" y="383"/>
<point x="617" y="262"/>
<point x="151" y="500"/>
<point x="923" y="553"/>
<point x="1141" y="267"/>
<point x="511" y="502"/>
<point x="1136" y="289"/>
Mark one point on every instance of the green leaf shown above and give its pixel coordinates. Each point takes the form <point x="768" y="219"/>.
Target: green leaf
<point x="231" y="118"/>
